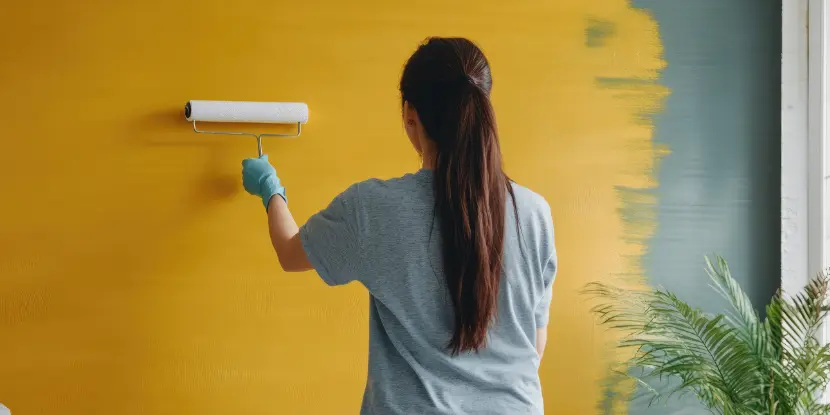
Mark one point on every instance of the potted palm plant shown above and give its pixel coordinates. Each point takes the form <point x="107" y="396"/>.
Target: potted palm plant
<point x="735" y="363"/>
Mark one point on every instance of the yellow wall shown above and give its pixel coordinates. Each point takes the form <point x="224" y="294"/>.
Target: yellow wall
<point x="136" y="276"/>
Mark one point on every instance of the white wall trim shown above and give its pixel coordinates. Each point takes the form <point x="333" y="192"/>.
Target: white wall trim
<point x="794" y="139"/>
<point x="804" y="92"/>
<point x="805" y="68"/>
<point x="817" y="135"/>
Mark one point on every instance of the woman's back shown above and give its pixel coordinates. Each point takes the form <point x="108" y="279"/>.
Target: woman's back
<point x="385" y="235"/>
<point x="459" y="261"/>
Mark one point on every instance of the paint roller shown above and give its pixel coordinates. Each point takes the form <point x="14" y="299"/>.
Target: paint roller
<point x="247" y="112"/>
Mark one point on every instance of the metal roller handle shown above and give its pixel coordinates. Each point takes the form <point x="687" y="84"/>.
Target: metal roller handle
<point x="257" y="136"/>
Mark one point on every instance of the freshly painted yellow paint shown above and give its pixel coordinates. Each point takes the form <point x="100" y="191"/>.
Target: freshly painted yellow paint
<point x="135" y="275"/>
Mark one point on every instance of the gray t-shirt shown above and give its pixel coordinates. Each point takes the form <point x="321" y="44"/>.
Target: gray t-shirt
<point x="383" y="234"/>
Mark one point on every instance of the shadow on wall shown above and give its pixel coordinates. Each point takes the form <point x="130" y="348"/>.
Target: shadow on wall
<point x="163" y="129"/>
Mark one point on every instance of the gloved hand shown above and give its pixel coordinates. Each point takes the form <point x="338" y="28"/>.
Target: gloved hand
<point x="260" y="179"/>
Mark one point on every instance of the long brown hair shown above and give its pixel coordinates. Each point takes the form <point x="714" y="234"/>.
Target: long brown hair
<point x="447" y="81"/>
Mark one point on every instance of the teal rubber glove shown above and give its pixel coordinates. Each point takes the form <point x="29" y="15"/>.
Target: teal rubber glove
<point x="260" y="179"/>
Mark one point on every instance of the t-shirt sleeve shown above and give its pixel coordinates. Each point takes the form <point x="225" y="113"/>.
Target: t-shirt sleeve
<point x="331" y="239"/>
<point x="549" y="268"/>
<point x="543" y="307"/>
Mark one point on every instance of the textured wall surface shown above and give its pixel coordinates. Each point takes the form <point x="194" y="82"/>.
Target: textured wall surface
<point x="137" y="278"/>
<point x="720" y="185"/>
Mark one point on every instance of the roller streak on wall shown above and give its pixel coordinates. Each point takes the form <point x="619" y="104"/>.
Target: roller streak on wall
<point x="719" y="188"/>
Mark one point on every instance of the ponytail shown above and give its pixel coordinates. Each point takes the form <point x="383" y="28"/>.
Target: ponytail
<point x="470" y="186"/>
<point x="470" y="190"/>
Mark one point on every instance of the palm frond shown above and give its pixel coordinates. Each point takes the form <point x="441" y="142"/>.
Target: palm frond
<point x="747" y="321"/>
<point x="735" y="363"/>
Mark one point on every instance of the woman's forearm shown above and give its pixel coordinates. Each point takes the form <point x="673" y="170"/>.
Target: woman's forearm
<point x="541" y="341"/>
<point x="285" y="237"/>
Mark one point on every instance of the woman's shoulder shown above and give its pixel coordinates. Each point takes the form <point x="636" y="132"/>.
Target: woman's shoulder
<point x="528" y="201"/>
<point x="404" y="183"/>
<point x="377" y="191"/>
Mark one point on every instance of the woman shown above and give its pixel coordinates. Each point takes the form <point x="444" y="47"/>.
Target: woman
<point x="459" y="261"/>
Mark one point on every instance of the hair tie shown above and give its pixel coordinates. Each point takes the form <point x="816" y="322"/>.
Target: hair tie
<point x="470" y="80"/>
<point x="462" y="80"/>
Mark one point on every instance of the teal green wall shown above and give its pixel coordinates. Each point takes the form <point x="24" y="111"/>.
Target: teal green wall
<point x="719" y="189"/>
